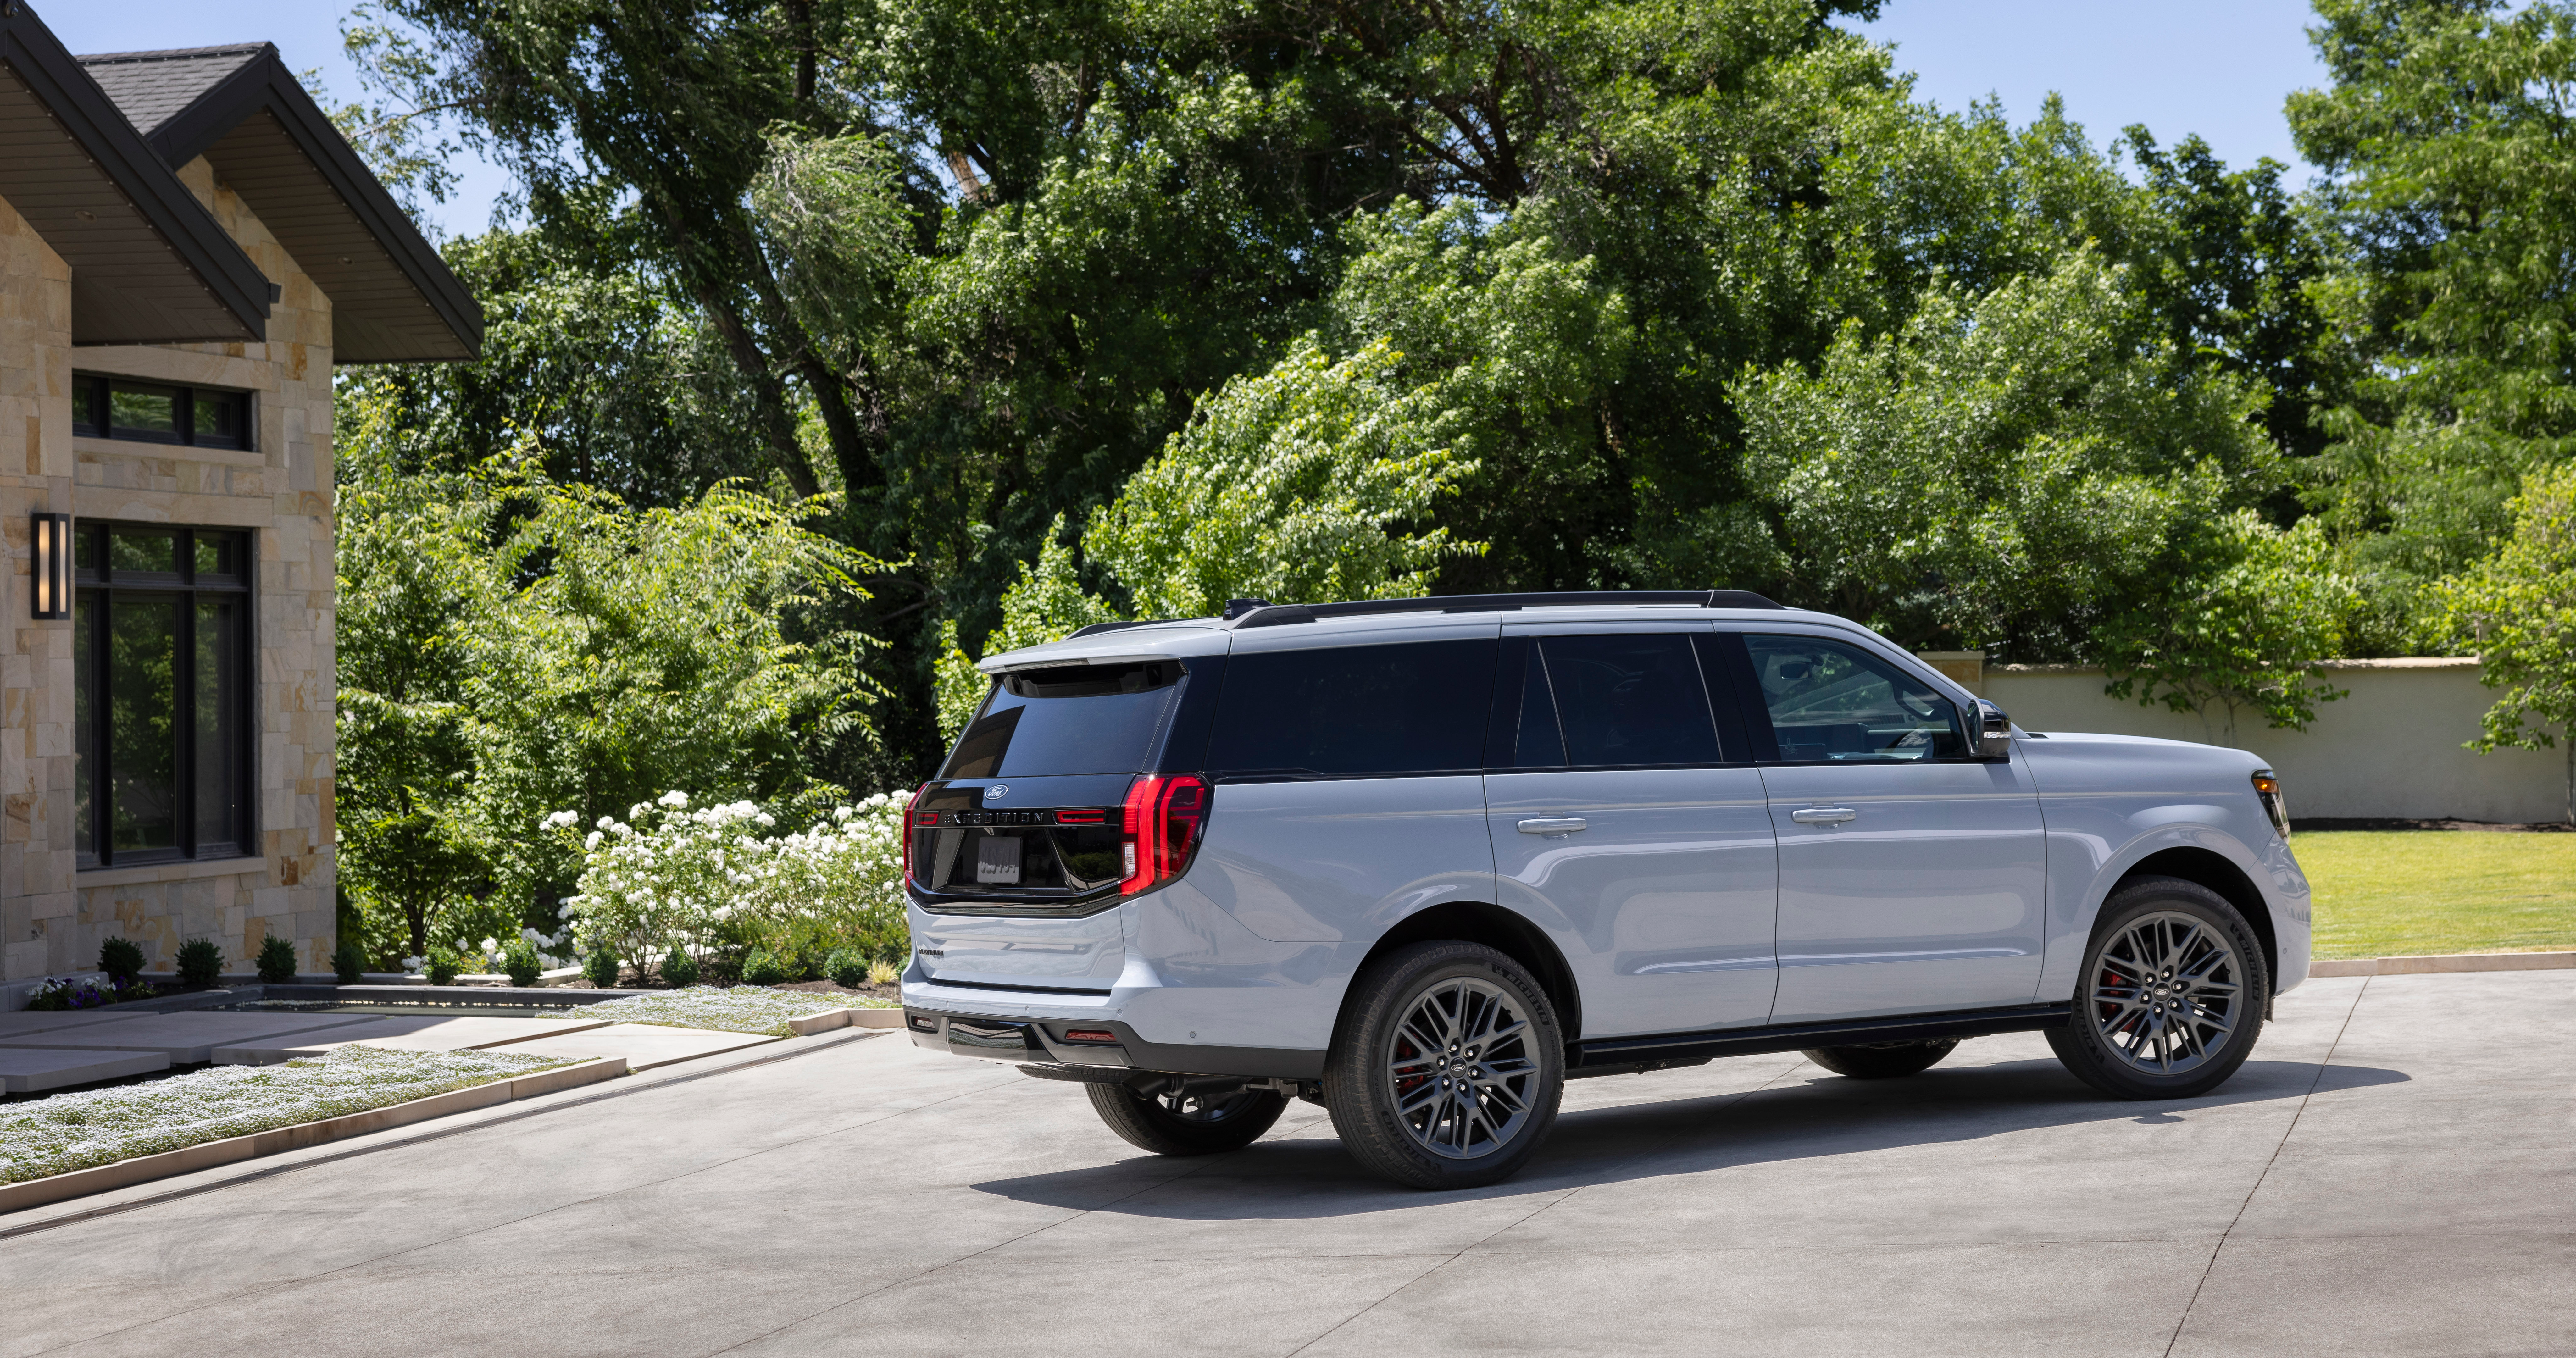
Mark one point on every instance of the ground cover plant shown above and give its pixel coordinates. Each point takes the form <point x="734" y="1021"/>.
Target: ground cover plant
<point x="2399" y="893"/>
<point x="67" y="1132"/>
<point x="738" y="1009"/>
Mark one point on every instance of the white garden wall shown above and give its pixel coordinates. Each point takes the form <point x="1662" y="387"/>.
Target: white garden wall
<point x="2392" y="749"/>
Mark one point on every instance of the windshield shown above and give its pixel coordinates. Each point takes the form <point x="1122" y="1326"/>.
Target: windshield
<point x="1073" y="720"/>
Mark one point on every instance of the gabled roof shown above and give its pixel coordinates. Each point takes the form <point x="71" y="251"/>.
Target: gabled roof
<point x="148" y="264"/>
<point x="392" y="297"/>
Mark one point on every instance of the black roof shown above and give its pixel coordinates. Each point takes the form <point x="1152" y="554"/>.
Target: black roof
<point x="392" y="298"/>
<point x="148" y="264"/>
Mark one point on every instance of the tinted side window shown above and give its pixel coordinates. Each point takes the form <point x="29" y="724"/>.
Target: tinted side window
<point x="1829" y="701"/>
<point x="1622" y="700"/>
<point x="1078" y="719"/>
<point x="1415" y="707"/>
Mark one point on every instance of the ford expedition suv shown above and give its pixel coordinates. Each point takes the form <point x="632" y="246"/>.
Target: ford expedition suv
<point x="1424" y="860"/>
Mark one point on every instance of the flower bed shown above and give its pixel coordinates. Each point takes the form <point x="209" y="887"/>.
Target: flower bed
<point x="78" y="1131"/>
<point x="741" y="1009"/>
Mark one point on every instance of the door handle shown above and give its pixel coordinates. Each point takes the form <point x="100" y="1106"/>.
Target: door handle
<point x="1553" y="825"/>
<point x="1824" y="815"/>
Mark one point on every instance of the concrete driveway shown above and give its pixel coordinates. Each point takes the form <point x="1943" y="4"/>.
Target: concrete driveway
<point x="2394" y="1173"/>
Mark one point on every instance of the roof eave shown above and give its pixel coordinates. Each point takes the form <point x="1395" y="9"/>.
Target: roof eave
<point x="265" y="84"/>
<point x="40" y="61"/>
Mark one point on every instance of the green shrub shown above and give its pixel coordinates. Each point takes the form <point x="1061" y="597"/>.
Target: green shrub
<point x="600" y="968"/>
<point x="847" y="969"/>
<point x="883" y="972"/>
<point x="276" y="960"/>
<point x="121" y="959"/>
<point x="200" y="962"/>
<point x="762" y="969"/>
<point x="520" y="960"/>
<point x="679" y="968"/>
<point x="349" y="962"/>
<point x="444" y="964"/>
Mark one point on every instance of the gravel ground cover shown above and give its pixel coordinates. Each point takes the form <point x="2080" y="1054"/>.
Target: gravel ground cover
<point x="738" y="1009"/>
<point x="2403" y="893"/>
<point x="78" y="1131"/>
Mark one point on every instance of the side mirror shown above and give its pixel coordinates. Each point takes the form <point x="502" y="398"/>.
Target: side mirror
<point x="1994" y="732"/>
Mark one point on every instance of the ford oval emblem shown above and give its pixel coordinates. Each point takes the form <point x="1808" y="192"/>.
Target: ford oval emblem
<point x="997" y="792"/>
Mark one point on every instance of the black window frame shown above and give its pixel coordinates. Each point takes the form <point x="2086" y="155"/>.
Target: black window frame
<point x="96" y="422"/>
<point x="101" y="582"/>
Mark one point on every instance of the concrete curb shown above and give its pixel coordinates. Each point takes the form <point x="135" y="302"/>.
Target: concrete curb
<point x="2453" y="962"/>
<point x="209" y="1154"/>
<point x="845" y="1018"/>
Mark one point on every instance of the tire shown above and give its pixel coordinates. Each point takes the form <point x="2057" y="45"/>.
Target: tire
<point x="1423" y="1016"/>
<point x="2133" y="1034"/>
<point x="1883" y="1060"/>
<point x="1187" y="1119"/>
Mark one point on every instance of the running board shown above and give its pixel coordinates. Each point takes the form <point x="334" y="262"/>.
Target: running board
<point x="1614" y="1054"/>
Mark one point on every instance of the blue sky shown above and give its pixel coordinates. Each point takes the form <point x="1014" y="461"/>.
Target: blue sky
<point x="2179" y="66"/>
<point x="2221" y="69"/>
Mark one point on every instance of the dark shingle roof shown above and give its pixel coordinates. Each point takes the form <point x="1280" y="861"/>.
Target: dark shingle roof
<point x="148" y="87"/>
<point x="392" y="298"/>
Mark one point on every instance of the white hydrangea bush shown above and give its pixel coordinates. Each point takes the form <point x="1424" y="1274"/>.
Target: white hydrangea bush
<point x="672" y="875"/>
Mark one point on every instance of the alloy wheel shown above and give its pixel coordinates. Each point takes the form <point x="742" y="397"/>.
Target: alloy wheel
<point x="2167" y="991"/>
<point x="1461" y="1069"/>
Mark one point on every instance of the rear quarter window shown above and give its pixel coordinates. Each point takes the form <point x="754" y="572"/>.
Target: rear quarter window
<point x="1076" y="719"/>
<point x="1345" y="711"/>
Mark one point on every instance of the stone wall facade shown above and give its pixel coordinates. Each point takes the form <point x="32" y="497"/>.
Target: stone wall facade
<point x="53" y="916"/>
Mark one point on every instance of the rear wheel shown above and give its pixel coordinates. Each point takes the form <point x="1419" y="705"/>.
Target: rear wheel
<point x="1448" y="1068"/>
<point x="1183" y="1116"/>
<point x="1883" y="1060"/>
<point x="2172" y="994"/>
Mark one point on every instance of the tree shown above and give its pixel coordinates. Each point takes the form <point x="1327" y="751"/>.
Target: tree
<point x="2518" y="608"/>
<point x="512" y="647"/>
<point x="2000" y="473"/>
<point x="2246" y="614"/>
<point x="413" y="594"/>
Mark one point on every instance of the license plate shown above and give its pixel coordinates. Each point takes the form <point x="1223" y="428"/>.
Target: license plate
<point x="997" y="860"/>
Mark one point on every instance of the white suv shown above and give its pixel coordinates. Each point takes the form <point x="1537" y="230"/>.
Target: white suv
<point x="1424" y="860"/>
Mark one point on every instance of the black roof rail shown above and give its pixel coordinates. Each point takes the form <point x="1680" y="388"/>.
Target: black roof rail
<point x="1097" y="628"/>
<point x="1280" y="614"/>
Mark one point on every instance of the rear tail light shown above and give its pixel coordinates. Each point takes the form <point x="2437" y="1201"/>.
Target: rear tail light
<point x="910" y="824"/>
<point x="1089" y="1035"/>
<point x="1164" y="820"/>
<point x="2267" y="786"/>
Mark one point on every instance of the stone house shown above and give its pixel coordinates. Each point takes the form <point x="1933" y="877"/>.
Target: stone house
<point x="186" y="247"/>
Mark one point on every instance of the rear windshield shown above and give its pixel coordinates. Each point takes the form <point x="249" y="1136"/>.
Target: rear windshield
<point x="1416" y="707"/>
<point x="1073" y="720"/>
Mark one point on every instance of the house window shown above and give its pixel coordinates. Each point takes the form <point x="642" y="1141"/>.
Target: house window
<point x="163" y="714"/>
<point x="157" y="412"/>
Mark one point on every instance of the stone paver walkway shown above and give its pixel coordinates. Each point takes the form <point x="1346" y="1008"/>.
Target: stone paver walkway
<point x="2392" y="1174"/>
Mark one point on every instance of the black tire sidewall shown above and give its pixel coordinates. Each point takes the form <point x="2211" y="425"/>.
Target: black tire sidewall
<point x="1883" y="1063"/>
<point x="2079" y="1045"/>
<point x="1361" y="1108"/>
<point x="1144" y="1123"/>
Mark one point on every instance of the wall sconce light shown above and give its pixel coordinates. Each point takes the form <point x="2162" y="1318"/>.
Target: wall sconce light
<point x="50" y="580"/>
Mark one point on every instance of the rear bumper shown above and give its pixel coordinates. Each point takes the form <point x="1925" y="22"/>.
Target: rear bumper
<point x="1025" y="1041"/>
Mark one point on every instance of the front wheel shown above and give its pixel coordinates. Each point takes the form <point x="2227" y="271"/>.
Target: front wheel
<point x="1448" y="1068"/>
<point x="2171" y="998"/>
<point x="1187" y="1117"/>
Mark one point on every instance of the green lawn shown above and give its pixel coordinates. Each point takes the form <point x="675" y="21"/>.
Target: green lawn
<point x="2399" y="893"/>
